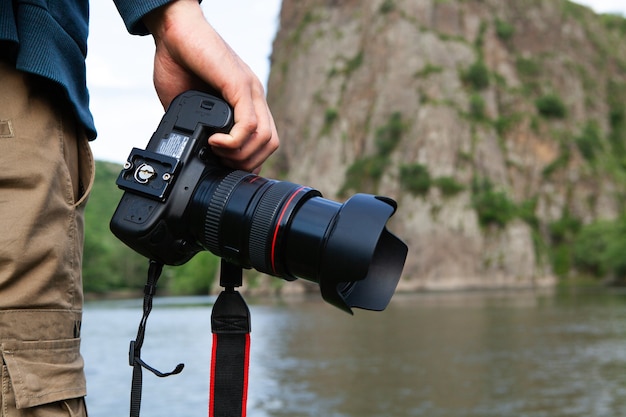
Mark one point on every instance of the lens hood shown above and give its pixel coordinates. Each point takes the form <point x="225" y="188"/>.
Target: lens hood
<point x="362" y="261"/>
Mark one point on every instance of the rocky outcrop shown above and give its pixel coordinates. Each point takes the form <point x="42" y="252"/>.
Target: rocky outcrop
<point x="489" y="122"/>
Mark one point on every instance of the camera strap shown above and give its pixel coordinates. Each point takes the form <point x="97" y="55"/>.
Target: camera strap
<point x="230" y="325"/>
<point x="134" y="354"/>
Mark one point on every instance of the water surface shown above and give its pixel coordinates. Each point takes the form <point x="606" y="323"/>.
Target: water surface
<point x="474" y="354"/>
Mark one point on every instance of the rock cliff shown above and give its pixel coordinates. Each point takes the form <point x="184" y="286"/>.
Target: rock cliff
<point x="497" y="126"/>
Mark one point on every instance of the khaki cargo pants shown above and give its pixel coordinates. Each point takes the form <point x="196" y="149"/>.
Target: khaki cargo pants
<point x="46" y="171"/>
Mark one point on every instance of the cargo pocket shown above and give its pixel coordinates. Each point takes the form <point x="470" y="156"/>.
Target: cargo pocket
<point x="43" y="372"/>
<point x="86" y="171"/>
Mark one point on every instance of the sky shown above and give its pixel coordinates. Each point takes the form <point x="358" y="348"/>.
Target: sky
<point x="119" y="66"/>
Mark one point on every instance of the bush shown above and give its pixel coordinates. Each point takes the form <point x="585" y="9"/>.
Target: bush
<point x="551" y="106"/>
<point x="504" y="30"/>
<point x="354" y="63"/>
<point x="562" y="234"/>
<point x="565" y="229"/>
<point x="448" y="186"/>
<point x="388" y="6"/>
<point x="526" y="211"/>
<point x="415" y="178"/>
<point x="505" y="122"/>
<point x="599" y="249"/>
<point x="492" y="207"/>
<point x="389" y="135"/>
<point x="589" y="141"/>
<point x="330" y="116"/>
<point x="590" y="248"/>
<point x="615" y="101"/>
<point x="477" y="76"/>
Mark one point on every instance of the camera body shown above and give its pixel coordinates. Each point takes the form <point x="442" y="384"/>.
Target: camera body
<point x="160" y="180"/>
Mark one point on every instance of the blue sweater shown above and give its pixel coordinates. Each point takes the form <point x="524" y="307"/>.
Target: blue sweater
<point x="50" y="37"/>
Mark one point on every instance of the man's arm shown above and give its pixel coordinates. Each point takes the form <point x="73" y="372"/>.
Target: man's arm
<point x="190" y="54"/>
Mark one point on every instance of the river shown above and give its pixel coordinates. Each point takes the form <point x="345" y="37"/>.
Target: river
<point x="559" y="353"/>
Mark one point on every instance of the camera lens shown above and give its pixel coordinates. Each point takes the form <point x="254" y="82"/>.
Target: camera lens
<point x="290" y="231"/>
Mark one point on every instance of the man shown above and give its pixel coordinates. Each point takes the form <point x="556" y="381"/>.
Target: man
<point x="46" y="172"/>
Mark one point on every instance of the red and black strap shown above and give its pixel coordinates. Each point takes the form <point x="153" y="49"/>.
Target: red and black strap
<point x="230" y="324"/>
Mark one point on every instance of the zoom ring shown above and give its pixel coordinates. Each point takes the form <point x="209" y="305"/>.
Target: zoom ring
<point x="264" y="223"/>
<point x="216" y="206"/>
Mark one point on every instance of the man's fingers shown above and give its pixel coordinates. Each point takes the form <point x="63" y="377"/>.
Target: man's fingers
<point x="251" y="140"/>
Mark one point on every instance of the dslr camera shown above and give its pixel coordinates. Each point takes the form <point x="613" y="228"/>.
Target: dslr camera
<point x="179" y="199"/>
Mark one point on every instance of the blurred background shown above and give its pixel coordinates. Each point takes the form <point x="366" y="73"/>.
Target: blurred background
<point x="500" y="129"/>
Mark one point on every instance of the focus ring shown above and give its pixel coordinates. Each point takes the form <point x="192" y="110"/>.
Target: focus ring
<point x="216" y="206"/>
<point x="263" y="224"/>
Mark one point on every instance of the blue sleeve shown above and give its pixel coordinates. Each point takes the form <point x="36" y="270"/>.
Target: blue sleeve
<point x="132" y="11"/>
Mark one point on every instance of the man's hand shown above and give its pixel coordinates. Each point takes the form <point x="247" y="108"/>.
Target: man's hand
<point x="190" y="54"/>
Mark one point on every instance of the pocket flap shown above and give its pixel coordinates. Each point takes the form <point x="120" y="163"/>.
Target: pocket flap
<point x="43" y="372"/>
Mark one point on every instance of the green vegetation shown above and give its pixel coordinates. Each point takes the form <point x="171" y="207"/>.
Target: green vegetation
<point x="109" y="265"/>
<point x="551" y="106"/>
<point x="476" y="76"/>
<point x="296" y="36"/>
<point x="529" y="111"/>
<point x="592" y="250"/>
<point x="504" y="123"/>
<point x="562" y="234"/>
<point x="365" y="173"/>
<point x="617" y="121"/>
<point x="477" y="107"/>
<point x="448" y="186"/>
<point x="388" y="6"/>
<point x="575" y="10"/>
<point x="491" y="205"/>
<point x="526" y="211"/>
<point x="614" y="22"/>
<point x="389" y="135"/>
<point x="494" y="207"/>
<point x="589" y="142"/>
<point x="479" y="42"/>
<point x="528" y="67"/>
<point x="353" y="63"/>
<point x="560" y="162"/>
<point x="504" y="30"/>
<point x="599" y="248"/>
<point x="349" y="65"/>
<point x="428" y="70"/>
<point x="415" y="178"/>
<point x="530" y="70"/>
<point x="330" y="116"/>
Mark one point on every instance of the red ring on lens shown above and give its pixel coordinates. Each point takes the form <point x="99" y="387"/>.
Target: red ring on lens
<point x="276" y="229"/>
